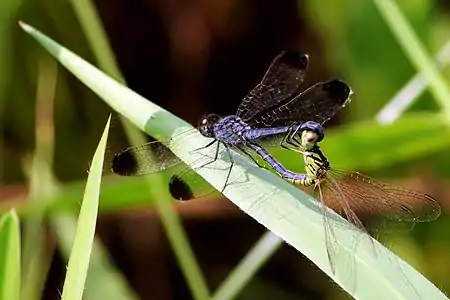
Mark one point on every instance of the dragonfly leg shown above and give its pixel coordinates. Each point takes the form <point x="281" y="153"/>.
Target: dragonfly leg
<point x="251" y="157"/>
<point x="289" y="142"/>
<point x="209" y="144"/>
<point x="295" y="137"/>
<point x="215" y="156"/>
<point x="286" y="141"/>
<point x="231" y="167"/>
<point x="294" y="140"/>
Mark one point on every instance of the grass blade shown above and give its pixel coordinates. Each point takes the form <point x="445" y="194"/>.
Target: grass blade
<point x="84" y="237"/>
<point x="266" y="246"/>
<point x="416" y="52"/>
<point x="279" y="206"/>
<point x="404" y="98"/>
<point x="90" y="21"/>
<point x="37" y="254"/>
<point x="104" y="280"/>
<point x="9" y="256"/>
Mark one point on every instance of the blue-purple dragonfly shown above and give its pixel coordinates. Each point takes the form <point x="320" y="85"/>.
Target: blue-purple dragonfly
<point x="275" y="108"/>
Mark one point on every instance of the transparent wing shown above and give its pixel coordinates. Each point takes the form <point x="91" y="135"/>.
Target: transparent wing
<point x="281" y="80"/>
<point x="272" y="141"/>
<point x="146" y="159"/>
<point x="352" y="194"/>
<point x="142" y="160"/>
<point x="365" y="196"/>
<point x="330" y="236"/>
<point x="184" y="184"/>
<point x="336" y="198"/>
<point x="187" y="184"/>
<point x="154" y="157"/>
<point x="333" y="196"/>
<point x="318" y="103"/>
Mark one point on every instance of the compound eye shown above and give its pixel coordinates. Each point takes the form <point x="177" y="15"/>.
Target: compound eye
<point x="213" y="119"/>
<point x="311" y="136"/>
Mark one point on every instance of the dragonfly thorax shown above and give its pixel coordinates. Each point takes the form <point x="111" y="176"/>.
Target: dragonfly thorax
<point x="230" y="130"/>
<point x="207" y="123"/>
<point x="317" y="165"/>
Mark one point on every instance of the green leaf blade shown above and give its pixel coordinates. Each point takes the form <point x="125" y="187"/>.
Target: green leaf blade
<point x="10" y="256"/>
<point x="84" y="238"/>
<point x="416" y="52"/>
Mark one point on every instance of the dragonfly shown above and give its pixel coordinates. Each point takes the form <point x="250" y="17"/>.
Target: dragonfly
<point x="272" y="108"/>
<point x="353" y="193"/>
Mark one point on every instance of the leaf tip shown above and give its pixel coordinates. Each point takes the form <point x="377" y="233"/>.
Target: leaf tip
<point x="13" y="214"/>
<point x="25" y="26"/>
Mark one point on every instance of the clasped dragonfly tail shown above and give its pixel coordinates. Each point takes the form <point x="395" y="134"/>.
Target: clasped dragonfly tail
<point x="273" y="108"/>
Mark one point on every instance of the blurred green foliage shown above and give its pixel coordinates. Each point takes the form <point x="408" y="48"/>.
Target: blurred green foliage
<point x="366" y="53"/>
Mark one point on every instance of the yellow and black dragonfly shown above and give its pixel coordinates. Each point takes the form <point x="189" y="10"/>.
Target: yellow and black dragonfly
<point x="351" y="193"/>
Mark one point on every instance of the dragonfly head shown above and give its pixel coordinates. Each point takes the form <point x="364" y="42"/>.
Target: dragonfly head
<point x="311" y="133"/>
<point x="206" y="124"/>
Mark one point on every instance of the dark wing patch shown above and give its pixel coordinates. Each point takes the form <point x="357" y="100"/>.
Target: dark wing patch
<point x="281" y="80"/>
<point x="318" y="103"/>
<point x="179" y="189"/>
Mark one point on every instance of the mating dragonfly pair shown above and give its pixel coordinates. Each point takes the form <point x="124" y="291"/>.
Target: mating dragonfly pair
<point x="275" y="110"/>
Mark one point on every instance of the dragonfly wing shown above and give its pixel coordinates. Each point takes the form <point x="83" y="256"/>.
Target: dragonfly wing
<point x="272" y="141"/>
<point x="318" y="103"/>
<point x="330" y="237"/>
<point x="337" y="198"/>
<point x="366" y="196"/>
<point x="142" y="160"/>
<point x="153" y="157"/>
<point x="146" y="159"/>
<point x="281" y="80"/>
<point x="355" y="192"/>
<point x="334" y="197"/>
<point x="188" y="185"/>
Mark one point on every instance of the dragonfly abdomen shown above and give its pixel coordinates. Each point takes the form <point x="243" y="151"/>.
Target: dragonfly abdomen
<point x="305" y="181"/>
<point x="295" y="178"/>
<point x="260" y="133"/>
